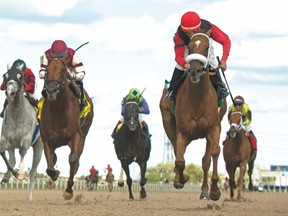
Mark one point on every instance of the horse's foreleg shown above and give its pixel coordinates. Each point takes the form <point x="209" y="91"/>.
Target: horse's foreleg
<point x="128" y="180"/>
<point x="22" y="152"/>
<point x="180" y="179"/>
<point x="232" y="185"/>
<point x="9" y="167"/>
<point x="51" y="160"/>
<point x="143" y="181"/>
<point x="121" y="181"/>
<point x="250" y="172"/>
<point x="37" y="154"/>
<point x="74" y="157"/>
<point x="213" y="151"/>
<point x="241" y="178"/>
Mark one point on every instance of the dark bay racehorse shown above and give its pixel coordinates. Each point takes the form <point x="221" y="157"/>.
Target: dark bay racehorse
<point x="132" y="145"/>
<point x="196" y="116"/>
<point x="20" y="129"/>
<point x="60" y="121"/>
<point x="237" y="153"/>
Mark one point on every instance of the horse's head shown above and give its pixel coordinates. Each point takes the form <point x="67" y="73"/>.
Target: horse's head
<point x="131" y="116"/>
<point x="56" y="77"/>
<point x="13" y="79"/>
<point x="198" y="51"/>
<point x="236" y="123"/>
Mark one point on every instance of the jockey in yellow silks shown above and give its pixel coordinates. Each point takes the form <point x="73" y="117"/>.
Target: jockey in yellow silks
<point x="247" y="117"/>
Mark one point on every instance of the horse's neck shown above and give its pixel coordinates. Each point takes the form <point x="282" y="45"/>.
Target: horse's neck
<point x="201" y="91"/>
<point x="17" y="103"/>
<point x="65" y="100"/>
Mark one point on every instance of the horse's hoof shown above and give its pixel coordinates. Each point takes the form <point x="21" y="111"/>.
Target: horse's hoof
<point x="178" y="185"/>
<point x="143" y="195"/>
<point x="67" y="196"/>
<point x="120" y="183"/>
<point x="54" y="174"/>
<point x="215" y="196"/>
<point x="204" y="196"/>
<point x="21" y="176"/>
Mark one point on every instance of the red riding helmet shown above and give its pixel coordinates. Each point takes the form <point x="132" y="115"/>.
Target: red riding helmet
<point x="58" y="48"/>
<point x="190" y="21"/>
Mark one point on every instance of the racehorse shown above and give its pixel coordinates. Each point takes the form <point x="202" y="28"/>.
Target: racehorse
<point x="60" y="122"/>
<point x="110" y="180"/>
<point x="237" y="153"/>
<point x="92" y="183"/>
<point x="132" y="145"/>
<point x="20" y="129"/>
<point x="196" y="116"/>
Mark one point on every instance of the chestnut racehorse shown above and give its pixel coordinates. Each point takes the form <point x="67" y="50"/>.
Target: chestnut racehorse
<point x="237" y="153"/>
<point x="196" y="116"/>
<point x="60" y="121"/>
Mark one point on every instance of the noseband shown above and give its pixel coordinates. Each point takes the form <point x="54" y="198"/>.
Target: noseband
<point x="57" y="85"/>
<point x="197" y="71"/>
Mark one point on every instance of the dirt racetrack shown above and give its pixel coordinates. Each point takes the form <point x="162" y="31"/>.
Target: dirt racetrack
<point x="13" y="203"/>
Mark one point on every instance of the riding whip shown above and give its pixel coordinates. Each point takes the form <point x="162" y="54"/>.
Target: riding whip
<point x="225" y="79"/>
<point x="81" y="46"/>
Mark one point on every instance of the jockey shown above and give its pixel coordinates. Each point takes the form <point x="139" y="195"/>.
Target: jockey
<point x="29" y="83"/>
<point x="191" y="23"/>
<point x="75" y="66"/>
<point x="92" y="172"/>
<point x="246" y="116"/>
<point x="134" y="94"/>
<point x="109" y="169"/>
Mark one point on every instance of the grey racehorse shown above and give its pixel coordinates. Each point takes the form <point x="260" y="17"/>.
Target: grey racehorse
<point x="19" y="130"/>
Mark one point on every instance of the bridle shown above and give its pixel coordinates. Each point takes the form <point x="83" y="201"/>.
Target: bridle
<point x="57" y="85"/>
<point x="13" y="82"/>
<point x="197" y="72"/>
<point x="234" y="127"/>
<point x="131" y="117"/>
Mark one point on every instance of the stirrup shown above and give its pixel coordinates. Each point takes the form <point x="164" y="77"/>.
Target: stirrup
<point x="171" y="96"/>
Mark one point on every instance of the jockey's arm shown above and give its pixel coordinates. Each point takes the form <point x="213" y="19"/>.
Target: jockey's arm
<point x="78" y="71"/>
<point x="144" y="107"/>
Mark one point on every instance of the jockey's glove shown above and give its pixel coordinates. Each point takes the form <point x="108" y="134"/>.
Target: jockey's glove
<point x="42" y="74"/>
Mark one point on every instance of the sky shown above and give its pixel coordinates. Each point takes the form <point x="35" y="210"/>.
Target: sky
<point x="130" y="45"/>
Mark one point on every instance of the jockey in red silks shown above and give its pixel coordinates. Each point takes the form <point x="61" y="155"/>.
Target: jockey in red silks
<point x="74" y="65"/>
<point x="190" y="24"/>
<point x="29" y="83"/>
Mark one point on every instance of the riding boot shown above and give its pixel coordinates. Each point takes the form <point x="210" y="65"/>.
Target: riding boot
<point x="145" y="129"/>
<point x="4" y="106"/>
<point x="175" y="82"/>
<point x="114" y="133"/>
<point x="253" y="140"/>
<point x="222" y="91"/>
<point x="83" y="102"/>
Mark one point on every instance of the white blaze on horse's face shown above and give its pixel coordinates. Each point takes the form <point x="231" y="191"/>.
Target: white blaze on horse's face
<point x="197" y="43"/>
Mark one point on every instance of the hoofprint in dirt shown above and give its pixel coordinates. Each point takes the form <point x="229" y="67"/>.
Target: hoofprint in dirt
<point x="48" y="202"/>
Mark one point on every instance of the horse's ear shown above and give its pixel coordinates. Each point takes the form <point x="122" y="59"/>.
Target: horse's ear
<point x="8" y="66"/>
<point x="209" y="32"/>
